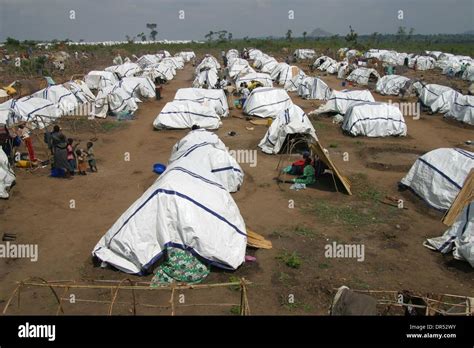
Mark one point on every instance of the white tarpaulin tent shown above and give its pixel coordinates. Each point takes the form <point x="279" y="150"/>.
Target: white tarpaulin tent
<point x="185" y="208"/>
<point x="125" y="70"/>
<point x="422" y="63"/>
<point x="391" y="84"/>
<point x="267" y="102"/>
<point x="438" y="176"/>
<point x="206" y="78"/>
<point x="186" y="55"/>
<point x="313" y="88"/>
<point x="206" y="148"/>
<point x="7" y="175"/>
<point x="374" y="120"/>
<point x="147" y="60"/>
<point x="262" y="60"/>
<point x="293" y="84"/>
<point x="175" y="62"/>
<point x="263" y="78"/>
<point x="304" y="53"/>
<point x="59" y="95"/>
<point x="254" y="53"/>
<point x="340" y="101"/>
<point x="361" y="76"/>
<point x="459" y="238"/>
<point x="99" y="79"/>
<point x="164" y="71"/>
<point x="323" y="62"/>
<point x="462" y="109"/>
<point x="429" y="93"/>
<point x="214" y="98"/>
<point x="268" y="65"/>
<point x="236" y="66"/>
<point x="208" y="62"/>
<point x="122" y="97"/>
<point x="289" y="121"/>
<point x="185" y="114"/>
<point x="29" y="109"/>
<point x="81" y="91"/>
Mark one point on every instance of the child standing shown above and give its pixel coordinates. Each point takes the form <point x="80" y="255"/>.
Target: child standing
<point x="70" y="155"/>
<point x="91" y="157"/>
<point x="81" y="161"/>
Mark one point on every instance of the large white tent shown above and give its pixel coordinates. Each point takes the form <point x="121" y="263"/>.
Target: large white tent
<point x="283" y="73"/>
<point x="185" y="208"/>
<point x="340" y="101"/>
<point x="80" y="90"/>
<point x="430" y="92"/>
<point x="7" y="175"/>
<point x="215" y="98"/>
<point x="304" y="53"/>
<point x="267" y="102"/>
<point x="160" y="70"/>
<point x="236" y="66"/>
<point x="185" y="114"/>
<point x="438" y="176"/>
<point x="462" y="109"/>
<point x="292" y="120"/>
<point x="391" y="84"/>
<point x="293" y="84"/>
<point x="206" y="78"/>
<point x="374" y="120"/>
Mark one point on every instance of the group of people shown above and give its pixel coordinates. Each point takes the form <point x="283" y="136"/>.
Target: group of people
<point x="67" y="157"/>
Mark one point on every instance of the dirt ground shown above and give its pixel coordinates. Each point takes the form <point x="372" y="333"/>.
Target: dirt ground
<point x="39" y="213"/>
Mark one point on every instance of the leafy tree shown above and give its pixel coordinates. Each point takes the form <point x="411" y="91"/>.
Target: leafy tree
<point x="209" y="36"/>
<point x="13" y="42"/>
<point x="229" y="36"/>
<point x="142" y="36"/>
<point x="153" y="32"/>
<point x="410" y="33"/>
<point x="222" y="35"/>
<point x="351" y="37"/>
<point x="401" y="34"/>
<point x="288" y="35"/>
<point x="304" y="35"/>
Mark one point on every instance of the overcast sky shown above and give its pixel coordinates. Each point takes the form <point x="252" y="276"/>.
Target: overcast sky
<point x="99" y="20"/>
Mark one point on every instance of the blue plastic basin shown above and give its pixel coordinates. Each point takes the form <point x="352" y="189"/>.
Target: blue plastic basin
<point x="159" y="168"/>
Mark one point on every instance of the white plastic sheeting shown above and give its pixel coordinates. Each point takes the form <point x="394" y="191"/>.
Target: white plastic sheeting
<point x="462" y="109"/>
<point x="262" y="60"/>
<point x="99" y="79"/>
<point x="391" y="84"/>
<point x="374" y="120"/>
<point x="438" y="176"/>
<point x="293" y="84"/>
<point x="125" y="70"/>
<point x="429" y="93"/>
<point x="185" y="208"/>
<point x="176" y="62"/>
<point x="212" y="155"/>
<point x="267" y="102"/>
<point x="236" y="66"/>
<point x="459" y="238"/>
<point x="7" y="175"/>
<point x="254" y="53"/>
<point x="81" y="91"/>
<point x="185" y="114"/>
<point x="214" y="98"/>
<point x="361" y="76"/>
<point x="289" y="121"/>
<point x="208" y="62"/>
<point x="186" y="55"/>
<point x="147" y="60"/>
<point x="340" y="101"/>
<point x="27" y="109"/>
<point x="206" y="78"/>
<point x="59" y="95"/>
<point x="313" y="88"/>
<point x="161" y="70"/>
<point x="304" y="53"/>
<point x="283" y="73"/>
<point x="323" y="62"/>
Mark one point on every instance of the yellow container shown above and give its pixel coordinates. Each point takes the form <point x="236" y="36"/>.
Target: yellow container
<point x="23" y="164"/>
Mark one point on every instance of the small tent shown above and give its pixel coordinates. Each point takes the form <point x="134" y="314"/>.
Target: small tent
<point x="206" y="78"/>
<point x="215" y="98"/>
<point x="125" y="69"/>
<point x="304" y="53"/>
<point x="438" y="176"/>
<point x="374" y="120"/>
<point x="362" y="76"/>
<point x="29" y="109"/>
<point x="59" y="95"/>
<point x="430" y="92"/>
<point x="313" y="88"/>
<point x="263" y="78"/>
<point x="267" y="102"/>
<point x="185" y="114"/>
<point x="236" y="66"/>
<point x="391" y="84"/>
<point x="99" y="79"/>
<point x="291" y="121"/>
<point x="293" y="84"/>
<point x="462" y="109"/>
<point x="340" y="101"/>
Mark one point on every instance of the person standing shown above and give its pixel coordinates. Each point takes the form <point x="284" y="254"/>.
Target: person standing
<point x="24" y="134"/>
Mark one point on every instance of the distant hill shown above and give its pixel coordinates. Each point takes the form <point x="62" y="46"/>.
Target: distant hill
<point x="469" y="32"/>
<point x="318" y="32"/>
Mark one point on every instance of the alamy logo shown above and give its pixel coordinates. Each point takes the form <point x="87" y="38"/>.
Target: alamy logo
<point x="355" y="251"/>
<point x="37" y="331"/>
<point x="19" y="251"/>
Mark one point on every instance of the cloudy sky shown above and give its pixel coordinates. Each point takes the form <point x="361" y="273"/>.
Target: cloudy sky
<point x="98" y="20"/>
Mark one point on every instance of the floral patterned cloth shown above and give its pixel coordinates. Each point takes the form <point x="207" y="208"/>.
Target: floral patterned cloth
<point x="180" y="266"/>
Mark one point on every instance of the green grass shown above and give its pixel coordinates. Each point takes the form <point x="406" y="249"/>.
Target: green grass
<point x="233" y="279"/>
<point x="323" y="266"/>
<point x="235" y="310"/>
<point x="108" y="126"/>
<point x="333" y="145"/>
<point x="345" y="214"/>
<point x="284" y="277"/>
<point x="292" y="260"/>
